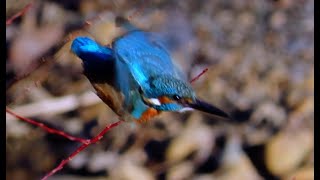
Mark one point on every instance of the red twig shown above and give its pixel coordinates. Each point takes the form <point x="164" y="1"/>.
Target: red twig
<point x="20" y="13"/>
<point x="199" y="75"/>
<point x="48" y="129"/>
<point x="85" y="142"/>
<point x="81" y="148"/>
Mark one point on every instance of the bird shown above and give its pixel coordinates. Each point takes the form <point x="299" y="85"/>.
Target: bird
<point x="136" y="76"/>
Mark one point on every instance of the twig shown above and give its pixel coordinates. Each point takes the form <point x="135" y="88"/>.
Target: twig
<point x="81" y="148"/>
<point x="48" y="129"/>
<point x="85" y="142"/>
<point x="20" y="13"/>
<point x="199" y="75"/>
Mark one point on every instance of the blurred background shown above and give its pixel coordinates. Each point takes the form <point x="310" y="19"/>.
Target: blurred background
<point x="260" y="56"/>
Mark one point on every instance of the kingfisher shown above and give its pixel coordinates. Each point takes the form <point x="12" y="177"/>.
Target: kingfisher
<point x="136" y="76"/>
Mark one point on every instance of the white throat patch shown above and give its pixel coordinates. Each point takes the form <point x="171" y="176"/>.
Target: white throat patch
<point x="154" y="101"/>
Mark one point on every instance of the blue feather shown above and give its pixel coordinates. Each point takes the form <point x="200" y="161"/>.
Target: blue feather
<point x="141" y="56"/>
<point x="98" y="60"/>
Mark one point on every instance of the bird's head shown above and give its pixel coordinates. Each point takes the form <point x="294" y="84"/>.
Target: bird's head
<point x="166" y="93"/>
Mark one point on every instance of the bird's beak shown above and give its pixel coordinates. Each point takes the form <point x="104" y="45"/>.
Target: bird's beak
<point x="208" y="108"/>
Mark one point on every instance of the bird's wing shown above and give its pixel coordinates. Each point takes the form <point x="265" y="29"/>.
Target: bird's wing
<point x="142" y="55"/>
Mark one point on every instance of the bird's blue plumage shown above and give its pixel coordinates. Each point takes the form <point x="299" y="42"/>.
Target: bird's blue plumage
<point x="143" y="57"/>
<point x="137" y="59"/>
<point x="137" y="76"/>
<point x="89" y="50"/>
<point x="97" y="59"/>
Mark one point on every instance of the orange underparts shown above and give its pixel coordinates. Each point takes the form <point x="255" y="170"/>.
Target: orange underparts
<point x="151" y="112"/>
<point x="148" y="114"/>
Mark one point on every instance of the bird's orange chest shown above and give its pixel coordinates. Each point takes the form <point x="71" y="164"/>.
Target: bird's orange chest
<point x="148" y="114"/>
<point x="151" y="112"/>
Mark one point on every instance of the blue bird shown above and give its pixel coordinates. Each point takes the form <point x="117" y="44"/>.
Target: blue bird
<point x="136" y="78"/>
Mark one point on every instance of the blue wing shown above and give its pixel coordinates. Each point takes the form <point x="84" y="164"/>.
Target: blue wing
<point x="98" y="60"/>
<point x="139" y="56"/>
<point x="144" y="56"/>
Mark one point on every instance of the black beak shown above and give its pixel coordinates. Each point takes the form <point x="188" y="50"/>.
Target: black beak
<point x="208" y="108"/>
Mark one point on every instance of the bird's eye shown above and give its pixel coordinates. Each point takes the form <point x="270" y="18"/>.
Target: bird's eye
<point x="176" y="97"/>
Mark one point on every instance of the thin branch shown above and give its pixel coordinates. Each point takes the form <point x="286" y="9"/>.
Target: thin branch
<point x="48" y="129"/>
<point x="199" y="75"/>
<point x="85" y="142"/>
<point x="81" y="148"/>
<point x="20" y="13"/>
